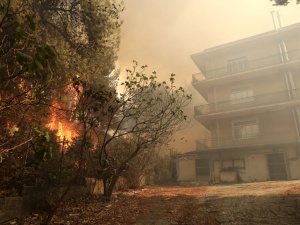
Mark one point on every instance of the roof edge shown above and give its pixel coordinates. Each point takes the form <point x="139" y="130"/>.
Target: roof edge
<point x="243" y="40"/>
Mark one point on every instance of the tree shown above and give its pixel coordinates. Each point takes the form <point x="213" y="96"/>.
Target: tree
<point x="141" y="118"/>
<point x="26" y="67"/>
<point x="45" y="46"/>
<point x="137" y="169"/>
<point x="283" y="2"/>
<point x="89" y="27"/>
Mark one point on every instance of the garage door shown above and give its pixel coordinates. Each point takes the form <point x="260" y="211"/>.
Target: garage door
<point x="202" y="167"/>
<point x="277" y="168"/>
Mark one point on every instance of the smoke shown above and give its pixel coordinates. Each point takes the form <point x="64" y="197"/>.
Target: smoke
<point x="163" y="35"/>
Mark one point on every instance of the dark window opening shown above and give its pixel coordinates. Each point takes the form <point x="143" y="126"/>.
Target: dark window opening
<point x="202" y="167"/>
<point x="276" y="165"/>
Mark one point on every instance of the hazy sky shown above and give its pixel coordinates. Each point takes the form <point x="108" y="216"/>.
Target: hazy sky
<point x="164" y="33"/>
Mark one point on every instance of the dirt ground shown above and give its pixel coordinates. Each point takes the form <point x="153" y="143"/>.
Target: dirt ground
<point x="252" y="203"/>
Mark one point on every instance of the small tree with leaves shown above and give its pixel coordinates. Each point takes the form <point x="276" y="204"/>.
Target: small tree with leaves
<point x="144" y="116"/>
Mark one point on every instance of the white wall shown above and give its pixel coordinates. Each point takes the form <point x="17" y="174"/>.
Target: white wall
<point x="256" y="167"/>
<point x="293" y="160"/>
<point x="186" y="169"/>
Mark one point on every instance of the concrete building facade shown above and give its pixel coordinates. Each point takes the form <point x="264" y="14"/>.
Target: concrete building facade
<point x="252" y="92"/>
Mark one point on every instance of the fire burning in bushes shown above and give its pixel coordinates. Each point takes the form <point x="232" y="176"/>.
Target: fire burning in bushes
<point x="65" y="129"/>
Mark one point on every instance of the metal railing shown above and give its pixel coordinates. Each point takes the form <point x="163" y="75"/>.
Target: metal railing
<point x="249" y="102"/>
<point x="251" y="65"/>
<point x="278" y="137"/>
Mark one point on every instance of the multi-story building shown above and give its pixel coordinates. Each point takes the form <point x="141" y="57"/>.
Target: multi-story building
<point x="252" y="92"/>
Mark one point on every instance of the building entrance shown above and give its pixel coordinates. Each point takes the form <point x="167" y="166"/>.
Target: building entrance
<point x="277" y="167"/>
<point x="202" y="167"/>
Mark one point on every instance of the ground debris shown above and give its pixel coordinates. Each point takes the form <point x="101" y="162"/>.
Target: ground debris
<point x="256" y="203"/>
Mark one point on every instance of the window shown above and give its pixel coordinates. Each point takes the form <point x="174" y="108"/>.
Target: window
<point x="241" y="95"/>
<point x="202" y="167"/>
<point x="238" y="64"/>
<point x="245" y="129"/>
<point x="229" y="164"/>
<point x="239" y="163"/>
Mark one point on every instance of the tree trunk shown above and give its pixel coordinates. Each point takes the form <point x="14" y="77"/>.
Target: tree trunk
<point x="110" y="186"/>
<point x="52" y="211"/>
<point x="48" y="219"/>
<point x="104" y="181"/>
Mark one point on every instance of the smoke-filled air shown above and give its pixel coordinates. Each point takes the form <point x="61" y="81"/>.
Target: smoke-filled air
<point x="147" y="111"/>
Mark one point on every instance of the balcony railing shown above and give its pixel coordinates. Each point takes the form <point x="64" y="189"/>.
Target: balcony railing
<point x="249" y="102"/>
<point x="262" y="139"/>
<point x="251" y="65"/>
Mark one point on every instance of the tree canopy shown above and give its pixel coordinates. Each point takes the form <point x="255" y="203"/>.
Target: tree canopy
<point x="57" y="62"/>
<point x="46" y="46"/>
<point x="283" y="2"/>
<point x="143" y="117"/>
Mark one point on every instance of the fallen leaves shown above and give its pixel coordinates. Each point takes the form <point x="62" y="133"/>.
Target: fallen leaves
<point x="124" y="208"/>
<point x="162" y="205"/>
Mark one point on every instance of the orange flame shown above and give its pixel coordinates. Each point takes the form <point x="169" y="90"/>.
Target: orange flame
<point x="65" y="129"/>
<point x="65" y="132"/>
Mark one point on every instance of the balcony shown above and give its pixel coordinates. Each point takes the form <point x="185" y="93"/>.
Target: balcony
<point x="263" y="139"/>
<point x="246" y="103"/>
<point x="255" y="64"/>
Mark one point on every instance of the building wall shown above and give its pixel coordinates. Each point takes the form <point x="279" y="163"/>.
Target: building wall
<point x="292" y="43"/>
<point x="257" y="165"/>
<point x="221" y="93"/>
<point x="253" y="50"/>
<point x="281" y="120"/>
<point x="256" y="168"/>
<point x="225" y="161"/>
<point x="256" y="49"/>
<point x="186" y="169"/>
<point x="250" y="166"/>
<point x="296" y="78"/>
<point x="253" y="164"/>
<point x="293" y="161"/>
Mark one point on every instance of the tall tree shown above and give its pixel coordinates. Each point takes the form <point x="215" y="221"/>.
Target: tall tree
<point x="89" y="27"/>
<point x="27" y="67"/>
<point x="46" y="46"/>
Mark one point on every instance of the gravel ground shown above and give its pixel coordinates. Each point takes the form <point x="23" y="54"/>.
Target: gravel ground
<point x="255" y="203"/>
<point x="274" y="203"/>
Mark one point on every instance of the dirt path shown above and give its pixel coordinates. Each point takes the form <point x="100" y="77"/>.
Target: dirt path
<point x="256" y="203"/>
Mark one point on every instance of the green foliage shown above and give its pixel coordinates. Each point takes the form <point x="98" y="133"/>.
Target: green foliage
<point x="42" y="149"/>
<point x="47" y="47"/>
<point x="283" y="2"/>
<point x="142" y="165"/>
<point x="23" y="167"/>
<point x="143" y="117"/>
<point x="89" y="27"/>
<point x="162" y="171"/>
